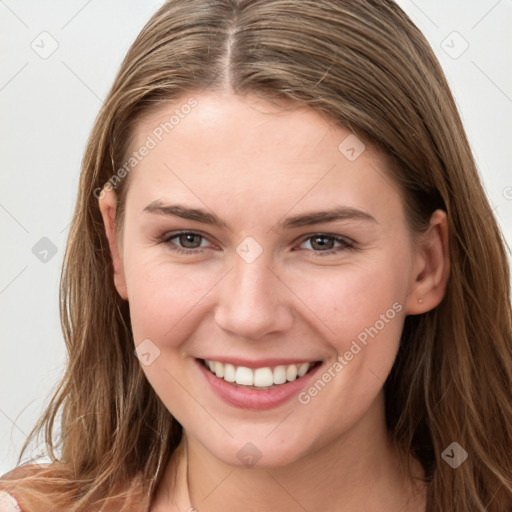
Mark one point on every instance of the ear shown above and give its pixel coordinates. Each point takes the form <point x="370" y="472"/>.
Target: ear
<point x="108" y="204"/>
<point x="431" y="267"/>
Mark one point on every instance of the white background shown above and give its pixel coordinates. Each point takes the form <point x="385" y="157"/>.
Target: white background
<point x="47" y="109"/>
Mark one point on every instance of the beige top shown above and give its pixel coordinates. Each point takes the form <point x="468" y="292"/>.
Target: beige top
<point x="8" y="503"/>
<point x="18" y="493"/>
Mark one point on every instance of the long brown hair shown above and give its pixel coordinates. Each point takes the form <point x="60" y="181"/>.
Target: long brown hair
<point x="364" y="64"/>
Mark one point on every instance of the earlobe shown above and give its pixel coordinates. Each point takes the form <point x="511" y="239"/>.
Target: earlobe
<point x="108" y="204"/>
<point x="432" y="267"/>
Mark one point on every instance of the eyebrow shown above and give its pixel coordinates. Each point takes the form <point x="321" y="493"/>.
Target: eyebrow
<point x="307" y="219"/>
<point x="339" y="213"/>
<point x="175" y="210"/>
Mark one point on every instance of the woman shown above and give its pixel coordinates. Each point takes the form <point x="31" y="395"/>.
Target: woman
<point x="284" y="287"/>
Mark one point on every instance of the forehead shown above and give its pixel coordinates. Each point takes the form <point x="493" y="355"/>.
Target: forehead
<point x="248" y="150"/>
<point x="246" y="124"/>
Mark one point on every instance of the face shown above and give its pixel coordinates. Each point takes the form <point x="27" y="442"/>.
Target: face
<point x="269" y="242"/>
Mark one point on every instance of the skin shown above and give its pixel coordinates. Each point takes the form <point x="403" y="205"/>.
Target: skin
<point x="253" y="164"/>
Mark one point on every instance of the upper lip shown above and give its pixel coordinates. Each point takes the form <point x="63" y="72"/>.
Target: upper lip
<point x="259" y="363"/>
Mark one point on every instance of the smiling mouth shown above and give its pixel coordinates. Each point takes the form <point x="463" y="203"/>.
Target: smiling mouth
<point x="259" y="378"/>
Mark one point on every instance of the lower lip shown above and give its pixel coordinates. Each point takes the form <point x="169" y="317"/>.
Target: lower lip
<point x="252" y="398"/>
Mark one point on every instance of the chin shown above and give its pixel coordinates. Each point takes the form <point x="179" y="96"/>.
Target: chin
<point x="258" y="453"/>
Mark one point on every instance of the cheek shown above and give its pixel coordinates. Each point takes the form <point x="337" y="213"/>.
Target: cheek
<point x="364" y="308"/>
<point x="348" y="299"/>
<point x="164" y="296"/>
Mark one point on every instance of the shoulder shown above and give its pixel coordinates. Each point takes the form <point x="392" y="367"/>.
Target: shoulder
<point x="23" y="490"/>
<point x="8" y="503"/>
<point x="41" y="488"/>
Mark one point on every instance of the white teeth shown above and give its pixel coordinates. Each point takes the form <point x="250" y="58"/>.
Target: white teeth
<point x="263" y="377"/>
<point x="219" y="369"/>
<point x="291" y="372"/>
<point x="244" y="376"/>
<point x="280" y="374"/>
<point x="302" y="370"/>
<point x="229" y="373"/>
<point x="260" y="377"/>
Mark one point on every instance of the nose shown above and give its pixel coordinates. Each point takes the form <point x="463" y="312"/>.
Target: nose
<point x="253" y="301"/>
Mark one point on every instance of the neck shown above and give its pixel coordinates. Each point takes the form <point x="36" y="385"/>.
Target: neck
<point x="360" y="468"/>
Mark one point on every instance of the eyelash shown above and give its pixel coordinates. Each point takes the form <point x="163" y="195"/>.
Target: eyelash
<point x="345" y="243"/>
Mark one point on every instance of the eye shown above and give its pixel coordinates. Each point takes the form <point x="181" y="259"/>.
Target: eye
<point x="324" y="244"/>
<point x="185" y="242"/>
